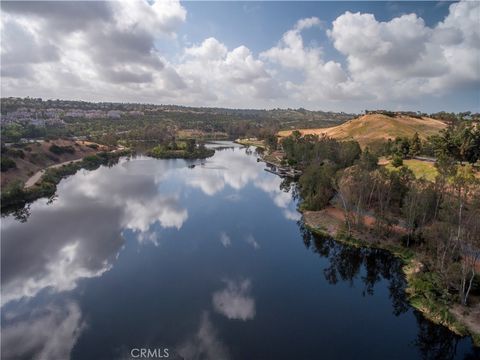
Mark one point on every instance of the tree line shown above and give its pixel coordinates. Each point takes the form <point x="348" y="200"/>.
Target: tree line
<point x="440" y="220"/>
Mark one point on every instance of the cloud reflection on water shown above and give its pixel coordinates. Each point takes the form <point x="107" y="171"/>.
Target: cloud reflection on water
<point x="46" y="332"/>
<point x="234" y="301"/>
<point x="205" y="344"/>
<point x="79" y="235"/>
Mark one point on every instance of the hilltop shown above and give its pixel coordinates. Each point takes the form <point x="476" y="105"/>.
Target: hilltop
<point x="373" y="128"/>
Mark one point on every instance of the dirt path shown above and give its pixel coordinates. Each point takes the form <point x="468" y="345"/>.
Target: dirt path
<point x="38" y="175"/>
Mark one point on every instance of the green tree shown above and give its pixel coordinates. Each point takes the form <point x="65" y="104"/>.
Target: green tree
<point x="316" y="186"/>
<point x="416" y="145"/>
<point x="397" y="161"/>
<point x="190" y="145"/>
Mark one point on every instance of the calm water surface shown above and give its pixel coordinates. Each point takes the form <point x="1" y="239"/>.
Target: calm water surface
<point x="210" y="262"/>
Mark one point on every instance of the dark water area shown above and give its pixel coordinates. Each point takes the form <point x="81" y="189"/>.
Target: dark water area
<point x="210" y="261"/>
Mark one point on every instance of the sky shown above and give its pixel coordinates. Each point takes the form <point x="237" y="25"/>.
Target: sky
<point x="338" y="56"/>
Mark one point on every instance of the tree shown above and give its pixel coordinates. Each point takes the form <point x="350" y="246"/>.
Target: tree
<point x="416" y="145"/>
<point x="349" y="152"/>
<point x="402" y="147"/>
<point x="271" y="141"/>
<point x="467" y="233"/>
<point x="368" y="161"/>
<point x="418" y="207"/>
<point x="296" y="135"/>
<point x="316" y="186"/>
<point x="190" y="145"/>
<point x="397" y="161"/>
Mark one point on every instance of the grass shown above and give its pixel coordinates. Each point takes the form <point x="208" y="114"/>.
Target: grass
<point x="420" y="168"/>
<point x="251" y="142"/>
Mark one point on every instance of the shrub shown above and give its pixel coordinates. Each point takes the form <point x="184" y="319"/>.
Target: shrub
<point x="7" y="163"/>
<point x="59" y="150"/>
<point x="93" y="146"/>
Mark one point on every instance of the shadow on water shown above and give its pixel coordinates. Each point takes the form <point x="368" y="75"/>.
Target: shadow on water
<point x="345" y="264"/>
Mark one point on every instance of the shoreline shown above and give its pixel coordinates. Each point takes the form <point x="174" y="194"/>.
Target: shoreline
<point x="32" y="180"/>
<point x="46" y="186"/>
<point x="412" y="268"/>
<point x="44" y="182"/>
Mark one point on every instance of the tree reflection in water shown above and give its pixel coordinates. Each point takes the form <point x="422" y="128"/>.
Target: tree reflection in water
<point x="346" y="264"/>
<point x="437" y="342"/>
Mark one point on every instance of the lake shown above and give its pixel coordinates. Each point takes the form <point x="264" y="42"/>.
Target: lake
<point x="209" y="261"/>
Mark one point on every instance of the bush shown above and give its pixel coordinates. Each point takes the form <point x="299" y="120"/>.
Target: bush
<point x="59" y="150"/>
<point x="13" y="194"/>
<point x="16" y="153"/>
<point x="93" y="146"/>
<point x="7" y="163"/>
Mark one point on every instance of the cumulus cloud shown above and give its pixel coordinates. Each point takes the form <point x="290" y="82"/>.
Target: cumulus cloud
<point x="407" y="57"/>
<point x="113" y="51"/>
<point x="100" y="44"/>
<point x="320" y="79"/>
<point x="234" y="301"/>
<point x="211" y="71"/>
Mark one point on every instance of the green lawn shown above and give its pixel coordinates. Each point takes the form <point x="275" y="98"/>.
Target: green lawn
<point x="420" y="168"/>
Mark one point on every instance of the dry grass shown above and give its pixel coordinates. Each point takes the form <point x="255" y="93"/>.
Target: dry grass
<point x="199" y="134"/>
<point x="374" y="128"/>
<point x="251" y="142"/>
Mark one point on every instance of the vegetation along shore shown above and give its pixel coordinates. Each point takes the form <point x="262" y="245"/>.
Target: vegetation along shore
<point x="421" y="202"/>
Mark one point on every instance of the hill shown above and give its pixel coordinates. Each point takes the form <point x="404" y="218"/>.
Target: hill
<point x="32" y="157"/>
<point x="373" y="128"/>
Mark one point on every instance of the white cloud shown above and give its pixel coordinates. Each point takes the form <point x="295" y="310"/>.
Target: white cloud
<point x="320" y="79"/>
<point x="112" y="51"/>
<point x="404" y="58"/>
<point x="234" y="301"/>
<point x="212" y="72"/>
<point x="291" y="52"/>
<point x="105" y="47"/>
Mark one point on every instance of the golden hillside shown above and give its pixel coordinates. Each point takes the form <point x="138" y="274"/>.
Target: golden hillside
<point x="372" y="128"/>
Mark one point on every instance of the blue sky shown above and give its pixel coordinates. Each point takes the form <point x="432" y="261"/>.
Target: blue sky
<point x="319" y="55"/>
<point x="259" y="24"/>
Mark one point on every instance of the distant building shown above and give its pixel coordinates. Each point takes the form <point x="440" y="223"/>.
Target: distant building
<point x="114" y="114"/>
